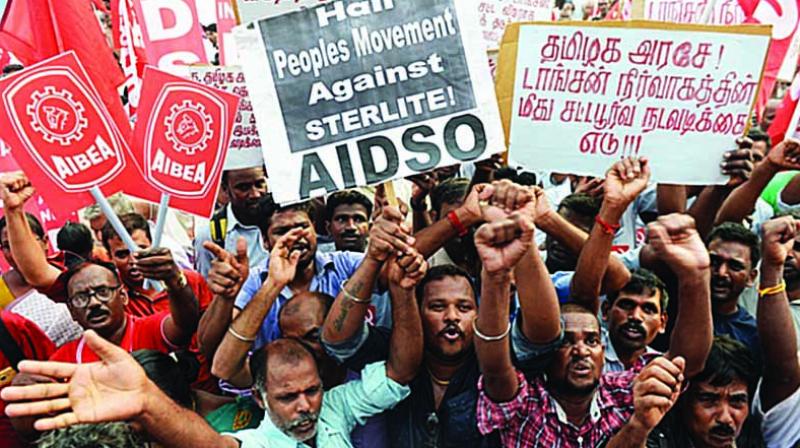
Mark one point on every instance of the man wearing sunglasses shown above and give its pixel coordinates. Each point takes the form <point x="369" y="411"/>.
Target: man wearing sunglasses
<point x="97" y="300"/>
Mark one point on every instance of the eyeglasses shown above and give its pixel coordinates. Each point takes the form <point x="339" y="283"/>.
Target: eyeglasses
<point x="103" y="294"/>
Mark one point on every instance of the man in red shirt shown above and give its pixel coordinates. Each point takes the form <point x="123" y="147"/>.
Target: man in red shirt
<point x="154" y="264"/>
<point x="97" y="301"/>
<point x="32" y="344"/>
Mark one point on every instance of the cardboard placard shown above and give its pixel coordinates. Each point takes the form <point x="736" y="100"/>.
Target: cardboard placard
<point x="245" y="144"/>
<point x="575" y="99"/>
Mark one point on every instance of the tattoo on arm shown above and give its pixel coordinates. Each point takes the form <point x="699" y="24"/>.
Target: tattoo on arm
<point x="343" y="312"/>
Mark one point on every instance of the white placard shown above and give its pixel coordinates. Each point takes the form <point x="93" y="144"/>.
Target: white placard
<point x="359" y="93"/>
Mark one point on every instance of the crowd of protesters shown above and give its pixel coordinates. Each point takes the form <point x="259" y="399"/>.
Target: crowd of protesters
<point x="484" y="306"/>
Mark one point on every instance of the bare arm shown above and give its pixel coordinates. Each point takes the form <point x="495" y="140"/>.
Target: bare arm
<point x="157" y="264"/>
<point x="742" y="200"/>
<point x="225" y="278"/>
<point x="15" y="190"/>
<point x="405" y="344"/>
<point x="538" y="302"/>
<point x="624" y="181"/>
<point x="573" y="238"/>
<point x="230" y="360"/>
<point x="776" y="330"/>
<point x="676" y="242"/>
<point x="670" y="199"/>
<point x="500" y="251"/>
<point x="387" y="236"/>
<point x="707" y="205"/>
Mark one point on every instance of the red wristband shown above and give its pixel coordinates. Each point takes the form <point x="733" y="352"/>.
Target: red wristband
<point x="608" y="229"/>
<point x="453" y="218"/>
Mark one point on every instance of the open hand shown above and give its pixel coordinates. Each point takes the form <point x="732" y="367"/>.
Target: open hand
<point x="114" y="389"/>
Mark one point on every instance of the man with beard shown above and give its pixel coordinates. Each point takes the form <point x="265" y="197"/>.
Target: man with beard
<point x="347" y="215"/>
<point x="287" y="385"/>
<point x="734" y="253"/>
<point x="575" y="404"/>
<point x="247" y="190"/>
<point x="440" y="411"/>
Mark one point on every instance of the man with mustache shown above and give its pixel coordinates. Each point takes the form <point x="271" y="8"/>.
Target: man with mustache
<point x="734" y="252"/>
<point x="97" y="300"/>
<point x="347" y="215"/>
<point x="440" y="411"/>
<point x="287" y="384"/>
<point x="574" y="404"/>
<point x="247" y="191"/>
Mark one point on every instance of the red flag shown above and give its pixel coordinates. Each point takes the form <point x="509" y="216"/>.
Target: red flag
<point x="784" y="16"/>
<point x="127" y="34"/>
<point x="785" y="112"/>
<point x="34" y="30"/>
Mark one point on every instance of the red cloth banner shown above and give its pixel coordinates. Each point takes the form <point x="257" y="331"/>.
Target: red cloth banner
<point x="171" y="31"/>
<point x="181" y="139"/>
<point x="34" y="30"/>
<point x="62" y="135"/>
<point x="784" y="16"/>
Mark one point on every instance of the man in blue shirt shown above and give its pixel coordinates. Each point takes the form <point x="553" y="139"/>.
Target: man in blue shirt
<point x="734" y="252"/>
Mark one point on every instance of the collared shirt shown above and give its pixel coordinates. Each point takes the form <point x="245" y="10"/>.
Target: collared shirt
<point x="256" y="253"/>
<point x="343" y="407"/>
<point x="533" y="418"/>
<point x="141" y="333"/>
<point x="331" y="270"/>
<point x="614" y="364"/>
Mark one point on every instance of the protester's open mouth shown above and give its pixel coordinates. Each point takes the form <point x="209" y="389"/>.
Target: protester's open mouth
<point x="580" y="368"/>
<point x="97" y="316"/>
<point x="723" y="440"/>
<point x="451" y="334"/>
<point x="720" y="287"/>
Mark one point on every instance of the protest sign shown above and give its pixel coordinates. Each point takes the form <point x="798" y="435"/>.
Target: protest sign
<point x="62" y="135"/>
<point x="252" y="10"/>
<point x="171" y="31"/>
<point x="725" y="12"/>
<point x="360" y="93"/>
<point x="226" y="20"/>
<point x="578" y="98"/>
<point x="494" y="15"/>
<point x="245" y="143"/>
<point x="181" y="139"/>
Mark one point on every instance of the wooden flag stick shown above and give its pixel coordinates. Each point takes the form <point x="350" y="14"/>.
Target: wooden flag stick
<point x="388" y="188"/>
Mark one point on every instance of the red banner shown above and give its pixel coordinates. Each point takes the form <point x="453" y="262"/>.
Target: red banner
<point x="171" y="31"/>
<point x="786" y="111"/>
<point x="784" y="16"/>
<point x="62" y="135"/>
<point x="181" y="139"/>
